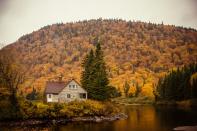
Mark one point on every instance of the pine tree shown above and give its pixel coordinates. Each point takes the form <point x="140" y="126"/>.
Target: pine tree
<point x="87" y="74"/>
<point x="100" y="81"/>
<point x="138" y="89"/>
<point x="177" y="84"/>
<point x="94" y="77"/>
<point x="33" y="95"/>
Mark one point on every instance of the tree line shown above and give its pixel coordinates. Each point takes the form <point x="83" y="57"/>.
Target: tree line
<point x="180" y="84"/>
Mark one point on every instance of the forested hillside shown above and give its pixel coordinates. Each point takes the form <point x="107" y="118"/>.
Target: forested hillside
<point x="136" y="52"/>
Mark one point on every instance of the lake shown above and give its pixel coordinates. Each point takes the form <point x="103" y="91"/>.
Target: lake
<point x="141" y="118"/>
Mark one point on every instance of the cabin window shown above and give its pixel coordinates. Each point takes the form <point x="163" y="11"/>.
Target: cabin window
<point x="49" y="95"/>
<point x="68" y="95"/>
<point x="73" y="86"/>
<point x="82" y="95"/>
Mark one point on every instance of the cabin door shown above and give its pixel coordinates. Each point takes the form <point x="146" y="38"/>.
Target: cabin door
<point x="49" y="97"/>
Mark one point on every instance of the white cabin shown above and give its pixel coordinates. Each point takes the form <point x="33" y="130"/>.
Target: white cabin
<point x="64" y="92"/>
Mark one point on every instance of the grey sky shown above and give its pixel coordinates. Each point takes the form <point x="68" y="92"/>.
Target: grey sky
<point x="19" y="17"/>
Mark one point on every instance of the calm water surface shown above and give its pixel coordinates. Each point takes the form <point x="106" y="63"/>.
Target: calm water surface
<point x="141" y="118"/>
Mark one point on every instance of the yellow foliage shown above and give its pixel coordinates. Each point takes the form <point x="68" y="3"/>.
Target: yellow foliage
<point x="193" y="77"/>
<point x="132" y="51"/>
<point x="147" y="90"/>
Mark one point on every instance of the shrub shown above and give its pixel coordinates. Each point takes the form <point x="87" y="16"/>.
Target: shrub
<point x="83" y="108"/>
<point x="39" y="110"/>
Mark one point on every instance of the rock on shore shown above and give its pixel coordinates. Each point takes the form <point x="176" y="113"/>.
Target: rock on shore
<point x="65" y="120"/>
<point x="101" y="118"/>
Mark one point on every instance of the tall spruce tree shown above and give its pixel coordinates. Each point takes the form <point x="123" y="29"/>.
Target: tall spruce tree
<point x="94" y="77"/>
<point x="100" y="75"/>
<point x="87" y="74"/>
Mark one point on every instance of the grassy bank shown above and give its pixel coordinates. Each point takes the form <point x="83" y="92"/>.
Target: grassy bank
<point x="40" y="110"/>
<point x="142" y="100"/>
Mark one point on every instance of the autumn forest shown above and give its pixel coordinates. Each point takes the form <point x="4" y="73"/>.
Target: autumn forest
<point x="136" y="53"/>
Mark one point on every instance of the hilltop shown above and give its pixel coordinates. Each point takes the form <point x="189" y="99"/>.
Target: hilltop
<point x="136" y="52"/>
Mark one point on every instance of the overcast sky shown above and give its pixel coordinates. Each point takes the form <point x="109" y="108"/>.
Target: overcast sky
<point x="19" y="17"/>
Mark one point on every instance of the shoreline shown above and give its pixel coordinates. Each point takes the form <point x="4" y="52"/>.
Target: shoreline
<point x="184" y="103"/>
<point x="134" y="104"/>
<point x="56" y="121"/>
<point x="185" y="128"/>
<point x="133" y="101"/>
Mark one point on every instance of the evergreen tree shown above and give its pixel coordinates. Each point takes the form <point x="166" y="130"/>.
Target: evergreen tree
<point x="33" y="95"/>
<point x="138" y="89"/>
<point x="177" y="84"/>
<point x="87" y="74"/>
<point x="113" y="92"/>
<point x="126" y="88"/>
<point x="100" y="82"/>
<point x="94" y="77"/>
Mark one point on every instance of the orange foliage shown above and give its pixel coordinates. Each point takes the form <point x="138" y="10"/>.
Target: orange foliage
<point x="134" y="51"/>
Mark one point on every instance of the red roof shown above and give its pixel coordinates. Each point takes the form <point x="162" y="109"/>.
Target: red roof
<point x="54" y="87"/>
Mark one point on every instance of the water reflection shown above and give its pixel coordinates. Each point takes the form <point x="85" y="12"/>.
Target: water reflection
<point x="141" y="118"/>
